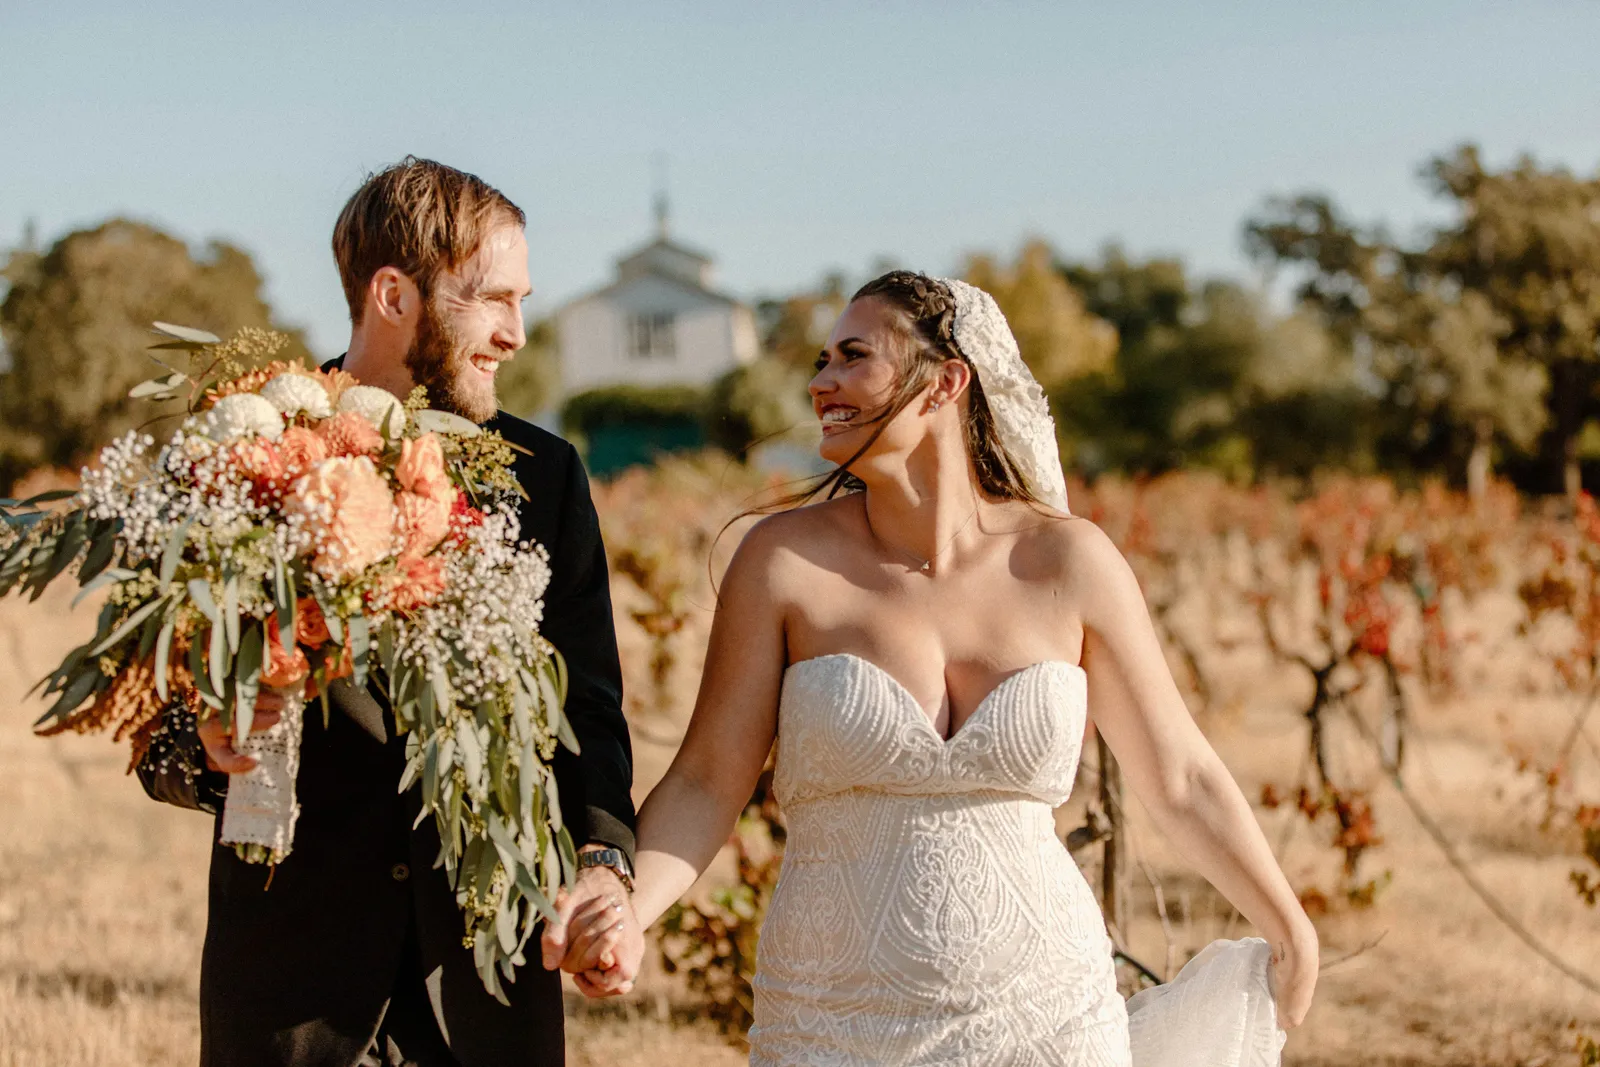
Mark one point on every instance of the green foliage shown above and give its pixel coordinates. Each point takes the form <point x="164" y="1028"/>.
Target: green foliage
<point x="530" y="382"/>
<point x="755" y="403"/>
<point x="631" y="405"/>
<point x="1196" y="378"/>
<point x="1482" y="335"/>
<point x="76" y="323"/>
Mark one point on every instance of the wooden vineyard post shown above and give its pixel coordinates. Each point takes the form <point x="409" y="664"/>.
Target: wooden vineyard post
<point x="1114" y="861"/>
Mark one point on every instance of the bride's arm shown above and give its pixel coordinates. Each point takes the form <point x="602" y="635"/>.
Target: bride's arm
<point x="689" y="814"/>
<point x="1173" y="769"/>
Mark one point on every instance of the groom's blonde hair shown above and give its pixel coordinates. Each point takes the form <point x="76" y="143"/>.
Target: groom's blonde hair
<point x="418" y="216"/>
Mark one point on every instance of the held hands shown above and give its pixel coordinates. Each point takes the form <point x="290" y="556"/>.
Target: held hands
<point x="597" y="940"/>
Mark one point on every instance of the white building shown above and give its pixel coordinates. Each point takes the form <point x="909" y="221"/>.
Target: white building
<point x="658" y="323"/>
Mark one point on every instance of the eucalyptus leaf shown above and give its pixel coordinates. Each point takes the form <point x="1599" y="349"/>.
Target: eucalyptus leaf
<point x="202" y="681"/>
<point x="200" y="593"/>
<point x="172" y="554"/>
<point x="102" y="580"/>
<point x="430" y="420"/>
<point x="48" y="497"/>
<point x="356" y="634"/>
<point x="219" y="660"/>
<point x="186" y="333"/>
<point x="139" y="615"/>
<point x="74" y="694"/>
<point x="72" y="538"/>
<point x="101" y="551"/>
<point x="163" y="652"/>
<point x="247" y="679"/>
<point x="147" y="635"/>
<point x="230" y="610"/>
<point x="157" y="387"/>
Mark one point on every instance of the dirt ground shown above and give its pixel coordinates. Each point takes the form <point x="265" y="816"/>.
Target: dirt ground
<point x="102" y="891"/>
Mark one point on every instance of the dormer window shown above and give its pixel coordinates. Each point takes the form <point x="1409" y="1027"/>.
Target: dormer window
<point x="652" y="336"/>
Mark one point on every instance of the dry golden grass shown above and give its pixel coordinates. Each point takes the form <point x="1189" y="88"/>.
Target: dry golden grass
<point x="102" y="892"/>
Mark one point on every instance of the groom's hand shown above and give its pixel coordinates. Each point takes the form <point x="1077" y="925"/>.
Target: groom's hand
<point x="596" y="938"/>
<point x="218" y="741"/>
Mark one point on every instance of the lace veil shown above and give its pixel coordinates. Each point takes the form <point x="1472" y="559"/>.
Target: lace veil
<point x="1017" y="401"/>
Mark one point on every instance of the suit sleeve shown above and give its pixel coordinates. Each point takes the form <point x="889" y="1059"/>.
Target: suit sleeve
<point x="596" y="784"/>
<point x="174" y="770"/>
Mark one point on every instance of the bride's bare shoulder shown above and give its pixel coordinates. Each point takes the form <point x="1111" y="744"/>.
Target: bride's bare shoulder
<point x="1072" y="549"/>
<point x="779" y="544"/>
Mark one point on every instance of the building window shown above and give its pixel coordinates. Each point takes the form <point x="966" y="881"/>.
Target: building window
<point x="652" y="336"/>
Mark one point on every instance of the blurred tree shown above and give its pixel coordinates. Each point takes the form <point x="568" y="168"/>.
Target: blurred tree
<point x="757" y="402"/>
<point x="76" y="323"/>
<point x="795" y="328"/>
<point x="1180" y="374"/>
<point x="1483" y="334"/>
<point x="530" y="383"/>
<point x="1059" y="339"/>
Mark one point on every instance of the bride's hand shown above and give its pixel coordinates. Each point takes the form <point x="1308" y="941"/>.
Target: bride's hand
<point x="1294" y="979"/>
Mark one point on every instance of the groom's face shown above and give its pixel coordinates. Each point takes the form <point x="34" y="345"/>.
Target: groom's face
<point x="470" y="324"/>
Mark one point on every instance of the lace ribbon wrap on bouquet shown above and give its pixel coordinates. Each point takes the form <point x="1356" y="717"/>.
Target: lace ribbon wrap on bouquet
<point x="259" y="815"/>
<point x="1218" y="1012"/>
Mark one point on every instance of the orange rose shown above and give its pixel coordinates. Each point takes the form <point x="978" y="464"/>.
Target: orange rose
<point x="421" y="469"/>
<point x="301" y="450"/>
<point x="415" y="584"/>
<point x="285" y="666"/>
<point x="349" y="512"/>
<point x="423" y="522"/>
<point x="310" y="626"/>
<point x="342" y="667"/>
<point x="349" y="434"/>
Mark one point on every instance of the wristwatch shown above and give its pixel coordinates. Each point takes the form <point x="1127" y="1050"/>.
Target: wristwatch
<point x="614" y="858"/>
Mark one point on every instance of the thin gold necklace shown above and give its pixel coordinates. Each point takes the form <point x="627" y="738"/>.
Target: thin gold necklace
<point x="927" y="564"/>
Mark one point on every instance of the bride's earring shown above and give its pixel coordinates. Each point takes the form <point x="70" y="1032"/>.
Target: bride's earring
<point x="933" y="405"/>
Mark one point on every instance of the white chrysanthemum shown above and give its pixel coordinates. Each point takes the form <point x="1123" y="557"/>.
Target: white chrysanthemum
<point x="294" y="393"/>
<point x="243" y="413"/>
<point x="377" y="406"/>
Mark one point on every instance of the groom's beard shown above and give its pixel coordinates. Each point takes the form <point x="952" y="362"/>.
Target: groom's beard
<point x="439" y="363"/>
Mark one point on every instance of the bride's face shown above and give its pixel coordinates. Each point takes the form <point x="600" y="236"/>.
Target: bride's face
<point x="858" y="375"/>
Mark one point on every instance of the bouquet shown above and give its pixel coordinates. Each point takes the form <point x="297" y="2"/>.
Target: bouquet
<point x="297" y="528"/>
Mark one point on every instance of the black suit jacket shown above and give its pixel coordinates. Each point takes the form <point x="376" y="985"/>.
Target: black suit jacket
<point x="300" y="971"/>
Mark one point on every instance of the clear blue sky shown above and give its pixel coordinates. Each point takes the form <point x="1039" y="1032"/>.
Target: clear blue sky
<point x="804" y="138"/>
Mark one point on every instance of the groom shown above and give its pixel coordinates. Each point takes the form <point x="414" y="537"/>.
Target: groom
<point x="350" y="952"/>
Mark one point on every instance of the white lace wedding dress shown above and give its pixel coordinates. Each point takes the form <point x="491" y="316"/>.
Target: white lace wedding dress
<point x="927" y="913"/>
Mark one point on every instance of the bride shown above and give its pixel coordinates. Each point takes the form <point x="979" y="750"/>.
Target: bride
<point x="924" y="646"/>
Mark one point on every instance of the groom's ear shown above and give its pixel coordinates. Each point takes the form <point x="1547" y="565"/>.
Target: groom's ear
<point x="393" y="297"/>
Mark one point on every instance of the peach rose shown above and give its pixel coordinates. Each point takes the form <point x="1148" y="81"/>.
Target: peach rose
<point x="260" y="461"/>
<point x="423" y="522"/>
<point x="415" y="584"/>
<point x="301" y="450"/>
<point x="348" y="434"/>
<point x="310" y="626"/>
<point x="285" y="666"/>
<point x="421" y="469"/>
<point x="349" y="511"/>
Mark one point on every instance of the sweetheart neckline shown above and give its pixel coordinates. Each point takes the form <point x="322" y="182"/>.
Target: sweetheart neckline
<point x="916" y="706"/>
